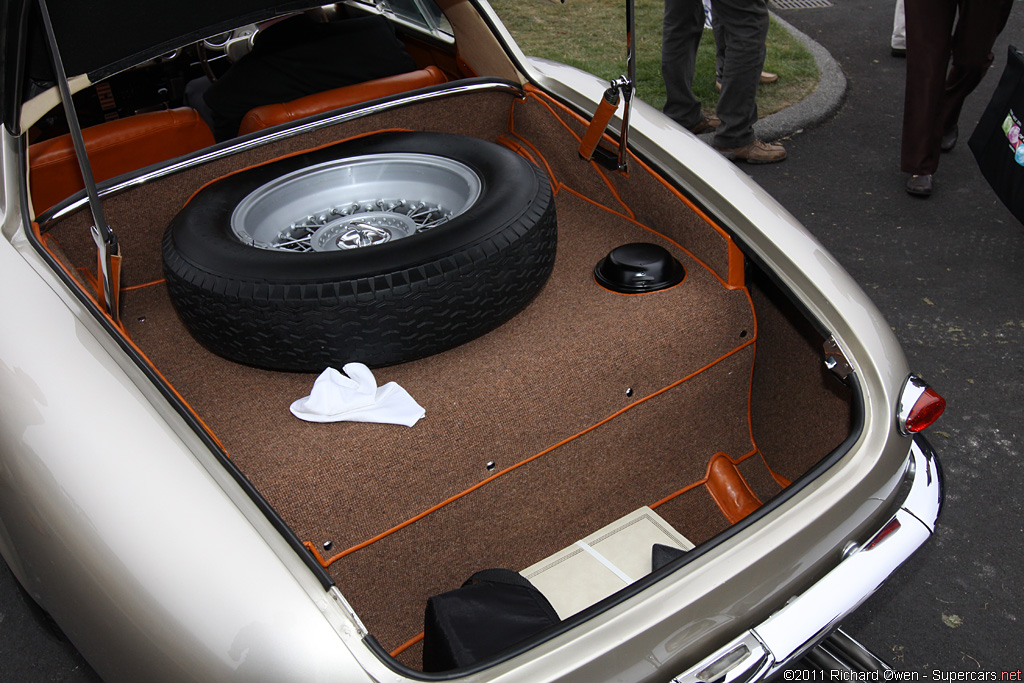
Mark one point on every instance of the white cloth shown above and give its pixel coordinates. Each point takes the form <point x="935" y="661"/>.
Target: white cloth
<point x="356" y="398"/>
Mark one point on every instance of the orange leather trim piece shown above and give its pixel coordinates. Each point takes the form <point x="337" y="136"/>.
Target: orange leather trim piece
<point x="114" y="147"/>
<point x="595" y="131"/>
<point x="730" y="490"/>
<point x="273" y="114"/>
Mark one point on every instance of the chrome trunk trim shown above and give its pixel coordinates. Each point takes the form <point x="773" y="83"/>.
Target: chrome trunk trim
<point x="259" y="139"/>
<point x="814" y="614"/>
<point x="840" y="652"/>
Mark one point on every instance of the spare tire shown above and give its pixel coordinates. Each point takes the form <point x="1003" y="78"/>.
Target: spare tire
<point x="379" y="250"/>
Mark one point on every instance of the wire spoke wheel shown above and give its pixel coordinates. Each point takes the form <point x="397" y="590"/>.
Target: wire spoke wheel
<point x="355" y="203"/>
<point x="381" y="249"/>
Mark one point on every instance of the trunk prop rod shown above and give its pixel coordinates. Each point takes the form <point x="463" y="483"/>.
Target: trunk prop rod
<point x="622" y="88"/>
<point x="108" y="252"/>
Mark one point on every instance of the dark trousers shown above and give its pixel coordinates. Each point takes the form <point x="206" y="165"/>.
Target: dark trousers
<point x="743" y="26"/>
<point x="947" y="56"/>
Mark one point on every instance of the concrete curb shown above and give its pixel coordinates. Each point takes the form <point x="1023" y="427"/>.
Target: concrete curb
<point x="816" y="107"/>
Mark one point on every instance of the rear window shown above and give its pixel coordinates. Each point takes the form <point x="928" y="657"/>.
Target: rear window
<point x="424" y="15"/>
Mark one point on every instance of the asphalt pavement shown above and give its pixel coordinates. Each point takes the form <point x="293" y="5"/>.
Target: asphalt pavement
<point x="948" y="274"/>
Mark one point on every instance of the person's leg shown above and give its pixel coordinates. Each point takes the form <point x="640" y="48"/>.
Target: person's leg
<point x="744" y="27"/>
<point x="979" y="24"/>
<point x="929" y="39"/>
<point x="682" y="27"/>
<point x="716" y="27"/>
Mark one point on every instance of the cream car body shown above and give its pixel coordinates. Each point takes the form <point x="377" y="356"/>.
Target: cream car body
<point x="159" y="563"/>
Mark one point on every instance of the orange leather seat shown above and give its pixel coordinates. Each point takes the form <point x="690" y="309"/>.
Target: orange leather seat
<point x="114" y="147"/>
<point x="269" y="115"/>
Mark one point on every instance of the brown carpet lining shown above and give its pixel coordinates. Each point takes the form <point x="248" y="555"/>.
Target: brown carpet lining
<point x="556" y="367"/>
<point x="640" y="458"/>
<point x="589" y="403"/>
<point x="139" y="215"/>
<point x="545" y="125"/>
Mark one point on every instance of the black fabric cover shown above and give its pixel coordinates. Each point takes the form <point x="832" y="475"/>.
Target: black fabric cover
<point x="663" y="554"/>
<point x="493" y="610"/>
<point x="997" y="143"/>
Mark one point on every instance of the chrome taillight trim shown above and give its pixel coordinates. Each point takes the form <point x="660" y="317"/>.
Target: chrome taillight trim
<point x="811" y="616"/>
<point x="913" y="389"/>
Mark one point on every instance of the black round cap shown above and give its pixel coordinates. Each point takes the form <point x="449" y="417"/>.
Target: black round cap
<point x="639" y="267"/>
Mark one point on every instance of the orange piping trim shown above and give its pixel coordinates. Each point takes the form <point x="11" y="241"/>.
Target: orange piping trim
<point x="294" y="154"/>
<point x="84" y="273"/>
<point x="124" y="333"/>
<point x="547" y="103"/>
<point x="680" y="492"/>
<point x="653" y="232"/>
<point x="505" y="140"/>
<point x="593" y="163"/>
<point x="513" y="142"/>
<point x="551" y="174"/>
<point x="615" y="193"/>
<point x="407" y="644"/>
<point x="143" y="285"/>
<point x="461" y="494"/>
<point x="735" y="275"/>
<point x="181" y="398"/>
<point x="631" y="217"/>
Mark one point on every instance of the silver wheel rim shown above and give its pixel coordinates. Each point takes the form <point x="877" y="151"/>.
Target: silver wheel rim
<point x="355" y="203"/>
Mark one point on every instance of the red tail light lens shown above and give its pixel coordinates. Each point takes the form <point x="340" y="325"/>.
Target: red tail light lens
<point x="920" y="406"/>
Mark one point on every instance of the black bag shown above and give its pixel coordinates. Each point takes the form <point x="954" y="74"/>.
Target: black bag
<point x="494" y="609"/>
<point x="997" y="143"/>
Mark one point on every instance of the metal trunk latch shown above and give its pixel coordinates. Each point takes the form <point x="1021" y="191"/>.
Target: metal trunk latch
<point x="835" y="359"/>
<point x="108" y="252"/>
<point x="622" y="88"/>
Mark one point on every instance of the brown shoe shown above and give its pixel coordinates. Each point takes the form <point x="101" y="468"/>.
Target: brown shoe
<point x="705" y="125"/>
<point x="766" y="77"/>
<point x="757" y="152"/>
<point x="920" y="185"/>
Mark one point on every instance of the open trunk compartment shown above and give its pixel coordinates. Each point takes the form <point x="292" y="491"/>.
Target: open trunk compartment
<point x="701" y="401"/>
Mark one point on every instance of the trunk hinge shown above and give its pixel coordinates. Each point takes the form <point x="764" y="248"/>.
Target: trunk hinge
<point x="107" y="250"/>
<point x="836" y="360"/>
<point x="623" y="87"/>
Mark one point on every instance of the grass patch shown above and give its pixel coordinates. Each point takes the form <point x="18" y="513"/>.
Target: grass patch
<point x="592" y="36"/>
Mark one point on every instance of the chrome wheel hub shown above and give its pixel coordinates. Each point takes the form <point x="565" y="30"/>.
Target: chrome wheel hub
<point x="358" y="202"/>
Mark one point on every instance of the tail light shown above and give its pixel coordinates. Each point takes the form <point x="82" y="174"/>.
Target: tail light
<point x="920" y="406"/>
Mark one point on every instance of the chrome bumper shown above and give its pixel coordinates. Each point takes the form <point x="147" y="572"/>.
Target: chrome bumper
<point x="812" y="615"/>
